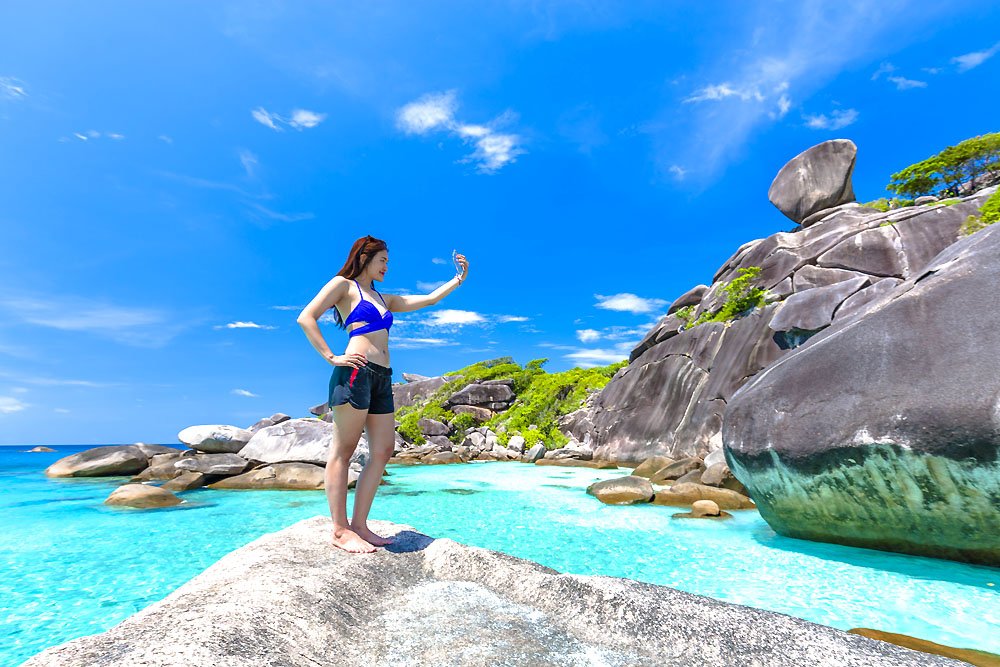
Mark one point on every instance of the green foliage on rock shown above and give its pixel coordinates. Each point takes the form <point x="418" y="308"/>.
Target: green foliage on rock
<point x="687" y="314"/>
<point x="741" y="296"/>
<point x="989" y="213"/>
<point x="968" y="160"/>
<point x="541" y="398"/>
<point x="547" y="397"/>
<point x="990" y="210"/>
<point x="884" y="205"/>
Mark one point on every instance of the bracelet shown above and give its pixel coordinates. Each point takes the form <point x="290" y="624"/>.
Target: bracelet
<point x="459" y="278"/>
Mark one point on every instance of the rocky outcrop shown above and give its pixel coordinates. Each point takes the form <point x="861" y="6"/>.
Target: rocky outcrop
<point x="106" y="461"/>
<point x="215" y="438"/>
<point x="292" y="476"/>
<point x="304" y="440"/>
<point x="142" y="496"/>
<point x="671" y="398"/>
<point x="290" y="598"/>
<point x="816" y="179"/>
<point x="482" y="399"/>
<point x="213" y="464"/>
<point x="276" y="418"/>
<point x="408" y="393"/>
<point x="883" y="431"/>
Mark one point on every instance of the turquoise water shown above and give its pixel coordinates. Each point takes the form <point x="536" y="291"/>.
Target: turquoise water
<point x="72" y="566"/>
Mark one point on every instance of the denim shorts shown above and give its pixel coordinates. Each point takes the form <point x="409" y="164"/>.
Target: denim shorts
<point x="366" y="388"/>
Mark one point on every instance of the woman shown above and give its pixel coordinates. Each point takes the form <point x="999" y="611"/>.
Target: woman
<point x="361" y="385"/>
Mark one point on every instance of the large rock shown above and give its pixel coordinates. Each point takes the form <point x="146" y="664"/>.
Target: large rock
<point x="813" y="309"/>
<point x="215" y="438"/>
<point x="142" y="496"/>
<point x="408" y="393"/>
<point x="670" y="399"/>
<point x="432" y="427"/>
<point x="622" y="491"/>
<point x="815" y="179"/>
<point x="481" y="393"/>
<point x="883" y="431"/>
<point x="289" y="598"/>
<point x="877" y="251"/>
<point x="681" y="494"/>
<point x="100" y="462"/>
<point x="295" y="476"/>
<point x="213" y="464"/>
<point x="304" y="440"/>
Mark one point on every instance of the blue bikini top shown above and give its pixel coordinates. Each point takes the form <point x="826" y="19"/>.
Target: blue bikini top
<point x="366" y="311"/>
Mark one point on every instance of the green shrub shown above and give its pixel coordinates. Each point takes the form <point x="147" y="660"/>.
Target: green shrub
<point x="548" y="397"/>
<point x="541" y="398"/>
<point x="883" y="205"/>
<point x="408" y="427"/>
<point x="461" y="422"/>
<point x="989" y="213"/>
<point x="741" y="296"/>
<point x="687" y="315"/>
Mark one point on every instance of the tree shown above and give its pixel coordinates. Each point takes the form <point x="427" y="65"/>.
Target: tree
<point x="966" y="162"/>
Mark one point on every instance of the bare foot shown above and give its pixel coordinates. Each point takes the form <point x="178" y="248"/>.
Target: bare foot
<point x="348" y="540"/>
<point x="371" y="537"/>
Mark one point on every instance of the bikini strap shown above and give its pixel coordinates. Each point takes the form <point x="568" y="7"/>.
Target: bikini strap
<point x="359" y="289"/>
<point x="383" y="300"/>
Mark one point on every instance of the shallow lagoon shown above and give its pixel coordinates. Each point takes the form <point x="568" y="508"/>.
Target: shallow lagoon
<point x="72" y="566"/>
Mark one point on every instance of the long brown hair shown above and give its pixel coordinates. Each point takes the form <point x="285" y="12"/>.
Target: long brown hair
<point x="366" y="247"/>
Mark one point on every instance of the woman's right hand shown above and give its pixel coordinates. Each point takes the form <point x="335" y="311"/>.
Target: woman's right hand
<point x="354" y="359"/>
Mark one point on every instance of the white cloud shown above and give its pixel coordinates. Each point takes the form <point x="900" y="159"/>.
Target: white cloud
<point x="784" y="104"/>
<point x="438" y="260"/>
<point x="417" y="343"/>
<point x="628" y="302"/>
<point x="10" y="405"/>
<point x="450" y="317"/>
<point x="62" y="411"/>
<point x="723" y="90"/>
<point x="511" y="318"/>
<point x="493" y="151"/>
<point x="588" y="335"/>
<point x="287" y="307"/>
<point x="265" y="118"/>
<point x="429" y="286"/>
<point x="140" y="327"/>
<point x="165" y="139"/>
<point x="975" y="59"/>
<point x="300" y="119"/>
<point x="678" y="171"/>
<point x="12" y="88"/>
<point x="884" y="68"/>
<point x="436" y="112"/>
<point x="303" y="118"/>
<point x="902" y="83"/>
<point x="835" y="121"/>
<point x="931" y="70"/>
<point x="278" y="215"/>
<point x="244" y="392"/>
<point x="249" y="162"/>
<point x="81" y="137"/>
<point x="243" y="325"/>
<point x="598" y="357"/>
<point x="430" y="112"/>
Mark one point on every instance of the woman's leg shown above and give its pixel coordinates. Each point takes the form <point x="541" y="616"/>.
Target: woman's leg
<point x="381" y="441"/>
<point x="348" y="422"/>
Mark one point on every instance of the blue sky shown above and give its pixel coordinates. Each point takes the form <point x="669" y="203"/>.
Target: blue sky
<point x="177" y="179"/>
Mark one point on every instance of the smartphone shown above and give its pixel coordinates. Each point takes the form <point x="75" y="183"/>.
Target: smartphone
<point x="454" y="260"/>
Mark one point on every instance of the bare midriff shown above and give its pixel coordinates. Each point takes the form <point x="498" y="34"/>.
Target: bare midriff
<point x="374" y="345"/>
